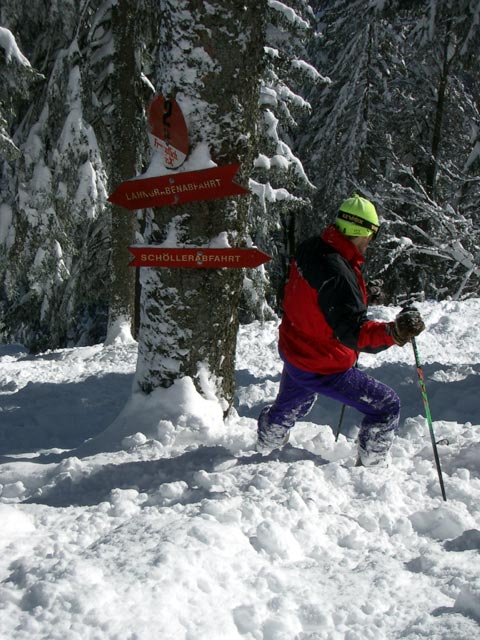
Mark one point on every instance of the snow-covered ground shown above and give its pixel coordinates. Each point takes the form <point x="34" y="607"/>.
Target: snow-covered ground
<point x="166" y="525"/>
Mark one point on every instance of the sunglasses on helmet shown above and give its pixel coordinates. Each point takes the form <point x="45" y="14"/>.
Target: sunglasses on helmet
<point x="365" y="224"/>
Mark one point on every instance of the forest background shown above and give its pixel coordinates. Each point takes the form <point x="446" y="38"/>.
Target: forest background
<point x="326" y="99"/>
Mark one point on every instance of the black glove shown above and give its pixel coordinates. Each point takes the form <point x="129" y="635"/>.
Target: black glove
<point x="406" y="326"/>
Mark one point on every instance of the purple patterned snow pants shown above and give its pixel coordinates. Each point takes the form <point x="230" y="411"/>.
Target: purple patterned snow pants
<point x="379" y="404"/>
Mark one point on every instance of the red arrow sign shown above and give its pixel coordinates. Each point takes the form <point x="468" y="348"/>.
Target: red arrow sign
<point x="198" y="258"/>
<point x="178" y="188"/>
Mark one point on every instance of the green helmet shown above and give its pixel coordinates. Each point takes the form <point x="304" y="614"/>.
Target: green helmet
<point x="357" y="217"/>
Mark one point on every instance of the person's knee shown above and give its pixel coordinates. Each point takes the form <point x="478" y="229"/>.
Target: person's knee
<point x="395" y="403"/>
<point x="287" y="410"/>
<point x="392" y="408"/>
<point x="387" y="408"/>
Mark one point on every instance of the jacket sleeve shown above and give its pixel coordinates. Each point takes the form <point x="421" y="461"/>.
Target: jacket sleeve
<point x="341" y="302"/>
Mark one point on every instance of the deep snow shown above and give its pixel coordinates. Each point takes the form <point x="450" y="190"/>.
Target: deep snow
<point x="167" y="525"/>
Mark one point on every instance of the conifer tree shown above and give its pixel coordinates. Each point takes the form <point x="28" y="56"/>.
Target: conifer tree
<point x="398" y="125"/>
<point x="17" y="77"/>
<point x="432" y="187"/>
<point x="282" y="188"/>
<point x="56" y="192"/>
<point x="83" y="132"/>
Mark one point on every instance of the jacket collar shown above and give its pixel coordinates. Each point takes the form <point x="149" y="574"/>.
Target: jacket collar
<point x="342" y="244"/>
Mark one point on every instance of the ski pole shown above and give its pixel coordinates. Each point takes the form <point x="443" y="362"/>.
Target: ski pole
<point x="342" y="412"/>
<point x="423" y="390"/>
<point x="339" y="425"/>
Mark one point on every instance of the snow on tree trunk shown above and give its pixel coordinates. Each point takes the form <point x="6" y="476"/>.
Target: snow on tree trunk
<point x="210" y="60"/>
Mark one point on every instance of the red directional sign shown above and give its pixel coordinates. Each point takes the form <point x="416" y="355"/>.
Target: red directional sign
<point x="178" y="188"/>
<point x="168" y="131"/>
<point x="198" y="258"/>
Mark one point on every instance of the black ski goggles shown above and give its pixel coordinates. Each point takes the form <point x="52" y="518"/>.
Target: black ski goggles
<point x="365" y="224"/>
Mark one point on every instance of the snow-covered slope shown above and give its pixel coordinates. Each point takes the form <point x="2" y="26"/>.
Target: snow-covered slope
<point x="166" y="525"/>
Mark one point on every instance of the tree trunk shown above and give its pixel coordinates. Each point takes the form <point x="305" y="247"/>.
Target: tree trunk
<point x="189" y="324"/>
<point x="126" y="144"/>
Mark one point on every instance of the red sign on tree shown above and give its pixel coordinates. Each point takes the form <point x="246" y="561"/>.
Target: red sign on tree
<point x="178" y="188"/>
<point x="197" y="258"/>
<point x="168" y="131"/>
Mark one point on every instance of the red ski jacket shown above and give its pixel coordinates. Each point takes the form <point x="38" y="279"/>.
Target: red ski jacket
<point x="325" y="324"/>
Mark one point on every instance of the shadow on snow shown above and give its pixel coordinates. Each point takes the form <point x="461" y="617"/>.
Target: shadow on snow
<point x="147" y="476"/>
<point x="50" y="415"/>
<point x="43" y="416"/>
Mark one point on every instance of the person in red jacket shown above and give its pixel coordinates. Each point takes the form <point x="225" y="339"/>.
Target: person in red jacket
<point x="324" y="327"/>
